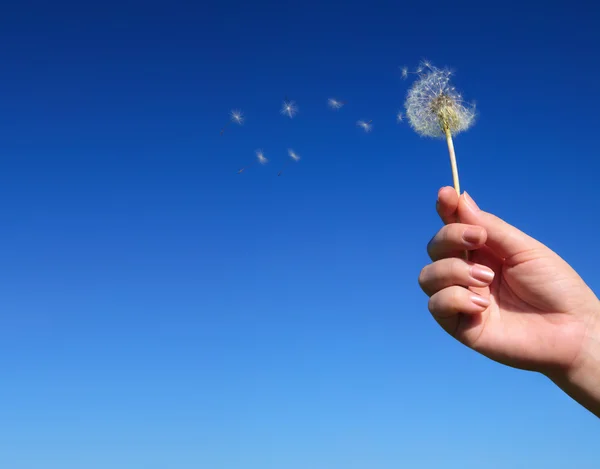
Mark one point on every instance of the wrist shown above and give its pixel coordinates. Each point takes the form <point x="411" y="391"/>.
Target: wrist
<point x="581" y="380"/>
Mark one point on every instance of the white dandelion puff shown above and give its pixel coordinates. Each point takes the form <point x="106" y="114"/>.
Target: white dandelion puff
<point x="289" y="109"/>
<point x="433" y="106"/>
<point x="335" y="104"/>
<point x="367" y="126"/>
<point x="435" y="109"/>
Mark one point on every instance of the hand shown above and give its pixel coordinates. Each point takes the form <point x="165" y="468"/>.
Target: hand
<point x="515" y="301"/>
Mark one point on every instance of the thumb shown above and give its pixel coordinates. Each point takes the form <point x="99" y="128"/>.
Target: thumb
<point x="504" y="239"/>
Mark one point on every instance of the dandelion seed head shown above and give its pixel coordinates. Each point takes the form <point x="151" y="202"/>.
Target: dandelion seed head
<point x="237" y="116"/>
<point x="334" y="103"/>
<point x="289" y="109"/>
<point x="366" y="126"/>
<point x="293" y="155"/>
<point x="260" y="156"/>
<point x="434" y="106"/>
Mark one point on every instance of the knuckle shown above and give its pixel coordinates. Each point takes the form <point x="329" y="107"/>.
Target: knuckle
<point x="437" y="242"/>
<point x="423" y="276"/>
<point x="432" y="305"/>
<point x="445" y="233"/>
<point x="432" y="244"/>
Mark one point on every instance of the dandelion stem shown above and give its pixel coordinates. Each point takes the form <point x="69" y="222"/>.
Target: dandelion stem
<point x="465" y="254"/>
<point x="452" y="160"/>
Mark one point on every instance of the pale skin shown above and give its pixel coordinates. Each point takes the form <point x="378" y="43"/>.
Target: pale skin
<point x="515" y="300"/>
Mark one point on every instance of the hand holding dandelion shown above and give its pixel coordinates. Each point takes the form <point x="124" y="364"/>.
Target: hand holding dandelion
<point x="435" y="109"/>
<point x="516" y="301"/>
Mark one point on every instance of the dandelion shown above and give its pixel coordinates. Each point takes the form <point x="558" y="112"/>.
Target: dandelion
<point x="289" y="109"/>
<point x="294" y="157"/>
<point x="335" y="104"/>
<point x="366" y="126"/>
<point x="260" y="158"/>
<point x="435" y="109"/>
<point x="236" y="116"/>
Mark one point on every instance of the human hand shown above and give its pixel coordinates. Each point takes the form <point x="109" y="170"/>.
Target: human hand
<point x="515" y="300"/>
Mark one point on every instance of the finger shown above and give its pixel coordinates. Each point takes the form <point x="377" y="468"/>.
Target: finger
<point x="448" y="272"/>
<point x="504" y="239"/>
<point x="447" y="204"/>
<point x="455" y="300"/>
<point x="452" y="240"/>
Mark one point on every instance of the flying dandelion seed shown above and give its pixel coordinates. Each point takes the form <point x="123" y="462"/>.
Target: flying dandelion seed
<point x="260" y="158"/>
<point x="289" y="109"/>
<point x="435" y="109"/>
<point x="399" y="117"/>
<point x="366" y="126"/>
<point x="236" y="116"/>
<point x="424" y="65"/>
<point x="294" y="157"/>
<point x="335" y="104"/>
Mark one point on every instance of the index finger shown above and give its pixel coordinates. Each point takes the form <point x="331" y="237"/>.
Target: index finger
<point x="447" y="205"/>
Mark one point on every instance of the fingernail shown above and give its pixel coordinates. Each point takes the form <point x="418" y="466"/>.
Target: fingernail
<point x="470" y="202"/>
<point x="472" y="236"/>
<point x="480" y="301"/>
<point x="482" y="274"/>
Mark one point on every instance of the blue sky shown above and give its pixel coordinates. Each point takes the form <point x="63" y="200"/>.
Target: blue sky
<point x="159" y="310"/>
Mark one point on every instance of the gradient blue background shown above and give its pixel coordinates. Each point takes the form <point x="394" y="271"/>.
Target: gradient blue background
<point x="157" y="310"/>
